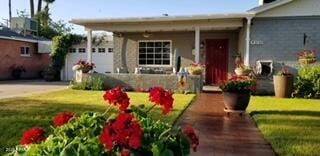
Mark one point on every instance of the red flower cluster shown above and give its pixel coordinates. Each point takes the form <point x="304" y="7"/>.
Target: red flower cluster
<point x="162" y="97"/>
<point x="125" y="152"/>
<point x="124" y="132"/>
<point x="33" y="136"/>
<point x="86" y="65"/>
<point x="194" y="140"/>
<point x="63" y="118"/>
<point x="117" y="96"/>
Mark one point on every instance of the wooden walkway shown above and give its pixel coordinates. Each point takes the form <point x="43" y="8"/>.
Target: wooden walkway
<point x="222" y="135"/>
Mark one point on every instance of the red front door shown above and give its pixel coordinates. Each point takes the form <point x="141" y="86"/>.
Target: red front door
<point x="216" y="60"/>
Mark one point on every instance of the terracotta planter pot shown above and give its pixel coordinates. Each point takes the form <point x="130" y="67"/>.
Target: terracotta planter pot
<point x="236" y="101"/>
<point x="283" y="86"/>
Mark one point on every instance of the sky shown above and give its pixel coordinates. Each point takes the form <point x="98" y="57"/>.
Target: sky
<point x="71" y="9"/>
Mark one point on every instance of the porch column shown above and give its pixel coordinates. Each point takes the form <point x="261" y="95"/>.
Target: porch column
<point x="247" y="53"/>
<point x="197" y="45"/>
<point x="89" y="45"/>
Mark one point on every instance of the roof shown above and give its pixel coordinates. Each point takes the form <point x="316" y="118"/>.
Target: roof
<point x="160" y="18"/>
<point x="250" y="13"/>
<point x="7" y="33"/>
<point x="269" y="6"/>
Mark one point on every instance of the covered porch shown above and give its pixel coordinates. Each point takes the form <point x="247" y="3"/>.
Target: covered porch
<point x="164" y="45"/>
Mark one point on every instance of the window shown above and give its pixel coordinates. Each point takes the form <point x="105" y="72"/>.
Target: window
<point x="93" y="50"/>
<point x="72" y="50"/>
<point x="25" y="51"/>
<point x="155" y="53"/>
<point x="82" y="50"/>
<point x="264" y="68"/>
<point x="110" y="50"/>
<point x="101" y="50"/>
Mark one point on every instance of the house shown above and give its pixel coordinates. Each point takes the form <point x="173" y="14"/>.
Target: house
<point x="19" y="50"/>
<point x="267" y="37"/>
<point x="102" y="55"/>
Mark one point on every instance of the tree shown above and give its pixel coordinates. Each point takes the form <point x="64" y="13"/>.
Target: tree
<point x="32" y="8"/>
<point x="10" y="14"/>
<point x="22" y="13"/>
<point x="39" y="6"/>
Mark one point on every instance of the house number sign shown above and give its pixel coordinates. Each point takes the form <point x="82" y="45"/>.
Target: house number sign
<point x="256" y="42"/>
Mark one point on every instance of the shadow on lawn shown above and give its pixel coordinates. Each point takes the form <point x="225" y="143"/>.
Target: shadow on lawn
<point x="295" y="113"/>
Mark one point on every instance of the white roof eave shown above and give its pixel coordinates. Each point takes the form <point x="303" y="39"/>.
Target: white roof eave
<point x="161" y="19"/>
<point x="270" y="6"/>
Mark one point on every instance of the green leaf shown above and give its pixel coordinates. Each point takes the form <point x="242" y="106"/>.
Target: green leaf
<point x="167" y="152"/>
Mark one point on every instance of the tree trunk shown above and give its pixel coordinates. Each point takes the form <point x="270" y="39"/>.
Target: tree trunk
<point x="32" y="8"/>
<point x="39" y="6"/>
<point x="10" y="14"/>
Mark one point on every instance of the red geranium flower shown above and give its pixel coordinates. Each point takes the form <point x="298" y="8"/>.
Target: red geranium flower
<point x="33" y="136"/>
<point x="125" y="152"/>
<point x="123" y="132"/>
<point x="162" y="97"/>
<point x="194" y="140"/>
<point x="117" y="96"/>
<point x="63" y="118"/>
<point x="106" y="138"/>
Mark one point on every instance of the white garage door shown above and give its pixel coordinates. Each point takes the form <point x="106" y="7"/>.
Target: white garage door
<point x="102" y="60"/>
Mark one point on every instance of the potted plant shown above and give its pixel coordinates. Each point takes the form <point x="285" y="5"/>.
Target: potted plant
<point x="84" y="66"/>
<point x="241" y="69"/>
<point x="307" y="57"/>
<point x="283" y="83"/>
<point x="195" y="69"/>
<point x="16" y="71"/>
<point x="236" y="92"/>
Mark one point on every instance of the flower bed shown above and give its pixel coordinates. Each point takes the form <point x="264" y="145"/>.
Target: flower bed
<point x="130" y="132"/>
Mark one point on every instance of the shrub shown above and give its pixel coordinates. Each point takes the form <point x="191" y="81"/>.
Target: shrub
<point x="130" y="132"/>
<point x="91" y="84"/>
<point x="308" y="82"/>
<point x="16" y="71"/>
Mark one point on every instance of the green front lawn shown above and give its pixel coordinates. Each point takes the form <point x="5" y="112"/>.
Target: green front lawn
<point x="20" y="114"/>
<point x="292" y="126"/>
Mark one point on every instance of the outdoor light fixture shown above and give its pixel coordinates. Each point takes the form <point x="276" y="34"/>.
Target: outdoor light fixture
<point x="146" y="34"/>
<point x="202" y="44"/>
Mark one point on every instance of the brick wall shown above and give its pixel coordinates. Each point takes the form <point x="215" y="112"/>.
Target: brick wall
<point x="10" y="55"/>
<point x="283" y="39"/>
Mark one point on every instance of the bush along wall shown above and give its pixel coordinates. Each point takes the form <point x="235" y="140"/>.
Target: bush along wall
<point x="60" y="47"/>
<point x="90" y="84"/>
<point x="308" y="82"/>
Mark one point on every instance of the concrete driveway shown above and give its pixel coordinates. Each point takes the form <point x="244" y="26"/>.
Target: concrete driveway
<point x="9" y="89"/>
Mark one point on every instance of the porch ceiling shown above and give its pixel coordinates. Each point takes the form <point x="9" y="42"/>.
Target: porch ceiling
<point x="156" y="24"/>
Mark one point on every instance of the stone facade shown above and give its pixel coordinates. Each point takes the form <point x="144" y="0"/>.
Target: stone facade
<point x="146" y="81"/>
<point x="282" y="39"/>
<point x="10" y="56"/>
<point x="126" y="47"/>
